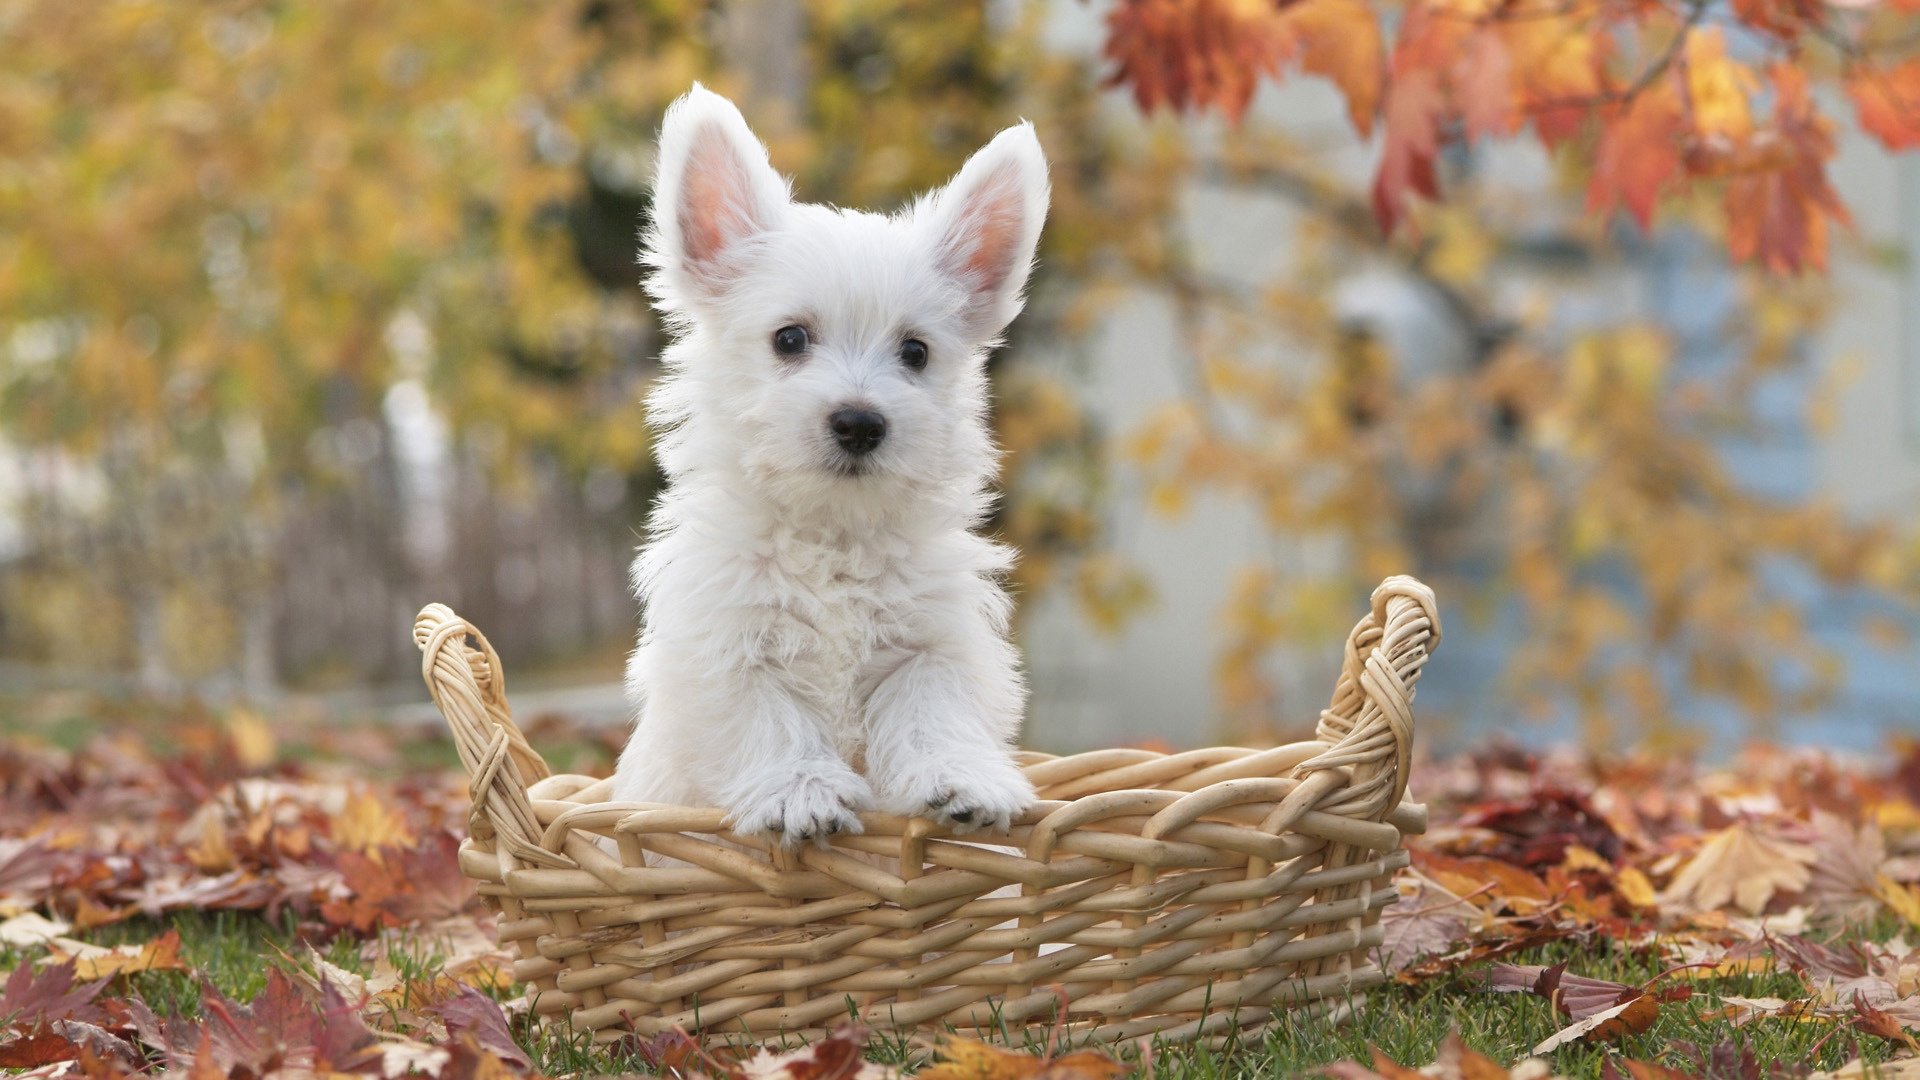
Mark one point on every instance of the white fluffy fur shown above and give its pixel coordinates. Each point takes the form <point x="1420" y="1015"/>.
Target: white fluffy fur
<point x="815" y="643"/>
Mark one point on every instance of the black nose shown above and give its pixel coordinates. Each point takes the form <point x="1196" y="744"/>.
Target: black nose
<point x="858" y="431"/>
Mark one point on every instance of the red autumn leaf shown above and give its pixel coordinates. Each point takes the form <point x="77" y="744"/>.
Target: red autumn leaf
<point x="1412" y="144"/>
<point x="284" y="1026"/>
<point x="1882" y="1023"/>
<point x="667" y="1052"/>
<point x="398" y="886"/>
<point x="27" y="867"/>
<point x="1887" y="100"/>
<point x="1780" y="204"/>
<point x="1578" y="996"/>
<point x="1483" y="85"/>
<point x="1536" y="832"/>
<point x="1188" y="54"/>
<point x="31" y="1000"/>
<point x="477" y="1016"/>
<point x="1638" y="155"/>
<point x="67" y="1040"/>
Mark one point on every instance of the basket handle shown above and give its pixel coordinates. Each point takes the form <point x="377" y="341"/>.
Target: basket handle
<point x="464" y="677"/>
<point x="1368" y="728"/>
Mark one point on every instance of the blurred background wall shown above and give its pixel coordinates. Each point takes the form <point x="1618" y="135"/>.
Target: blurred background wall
<point x="312" y="314"/>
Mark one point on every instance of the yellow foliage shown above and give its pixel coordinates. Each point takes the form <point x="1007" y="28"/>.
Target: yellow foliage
<point x="1720" y="89"/>
<point x="367" y="824"/>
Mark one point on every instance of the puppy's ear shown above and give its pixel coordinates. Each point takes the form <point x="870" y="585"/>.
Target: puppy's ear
<point x="986" y="223"/>
<point x="713" y="192"/>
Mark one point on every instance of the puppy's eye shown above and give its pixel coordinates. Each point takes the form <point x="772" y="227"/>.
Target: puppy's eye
<point x="790" y="340"/>
<point x="913" y="353"/>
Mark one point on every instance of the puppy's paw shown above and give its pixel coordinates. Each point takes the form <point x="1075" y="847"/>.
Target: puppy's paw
<point x="969" y="797"/>
<point x="810" y="808"/>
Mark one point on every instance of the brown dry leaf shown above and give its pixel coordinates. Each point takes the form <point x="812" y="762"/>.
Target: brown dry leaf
<point x="1486" y="881"/>
<point x="212" y="849"/>
<point x="968" y="1059"/>
<point x="88" y="915"/>
<point x="1744" y="1010"/>
<point x="68" y="1040"/>
<point x="1425" y="921"/>
<point x="1578" y="996"/>
<point x="839" y="1056"/>
<point x="1627" y="1018"/>
<point x="94" y="962"/>
<point x="1743" y="866"/>
<point x="1882" y="1023"/>
<point x="1844" y="885"/>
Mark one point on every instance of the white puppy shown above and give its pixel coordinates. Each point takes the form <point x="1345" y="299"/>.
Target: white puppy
<point x="823" y="632"/>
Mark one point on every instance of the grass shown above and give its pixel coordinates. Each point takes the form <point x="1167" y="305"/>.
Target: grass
<point x="234" y="953"/>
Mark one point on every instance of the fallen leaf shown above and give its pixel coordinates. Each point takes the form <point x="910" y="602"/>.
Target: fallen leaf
<point x="478" y="1017"/>
<point x="31" y="1000"/>
<point x="1882" y="1023"/>
<point x="251" y="738"/>
<point x="1627" y="1018"/>
<point x="30" y="929"/>
<point x="68" y="1040"/>
<point x="1902" y="900"/>
<point x="368" y="824"/>
<point x="969" y="1059"/>
<point x="160" y="954"/>
<point x="1741" y="865"/>
<point x="1631" y="885"/>
<point x="1426" y="921"/>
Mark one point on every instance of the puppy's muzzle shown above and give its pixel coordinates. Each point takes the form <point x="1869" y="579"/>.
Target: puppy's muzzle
<point x="858" y="431"/>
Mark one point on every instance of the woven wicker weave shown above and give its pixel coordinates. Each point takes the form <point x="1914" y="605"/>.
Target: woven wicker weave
<point x="1181" y="894"/>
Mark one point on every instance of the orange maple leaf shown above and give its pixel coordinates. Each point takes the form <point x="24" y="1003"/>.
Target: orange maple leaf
<point x="968" y="1059"/>
<point x="1340" y="41"/>
<point x="1779" y="206"/>
<point x="1638" y="155"/>
<point x="1887" y="100"/>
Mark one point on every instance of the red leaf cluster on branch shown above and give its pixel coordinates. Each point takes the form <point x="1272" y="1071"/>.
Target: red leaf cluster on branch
<point x="1644" y="94"/>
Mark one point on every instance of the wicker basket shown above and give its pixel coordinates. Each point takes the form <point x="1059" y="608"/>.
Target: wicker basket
<point x="1187" y="895"/>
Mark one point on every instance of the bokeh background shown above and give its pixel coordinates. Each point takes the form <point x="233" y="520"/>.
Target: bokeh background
<point x="311" y="314"/>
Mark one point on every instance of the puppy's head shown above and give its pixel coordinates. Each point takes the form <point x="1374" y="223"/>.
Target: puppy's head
<point x="826" y="352"/>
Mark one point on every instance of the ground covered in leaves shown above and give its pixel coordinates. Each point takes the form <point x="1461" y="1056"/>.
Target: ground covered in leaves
<point x="205" y="895"/>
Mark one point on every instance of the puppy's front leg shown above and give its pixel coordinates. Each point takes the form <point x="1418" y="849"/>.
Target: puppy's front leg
<point x="939" y="727"/>
<point x="788" y="781"/>
<point x="741" y="738"/>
